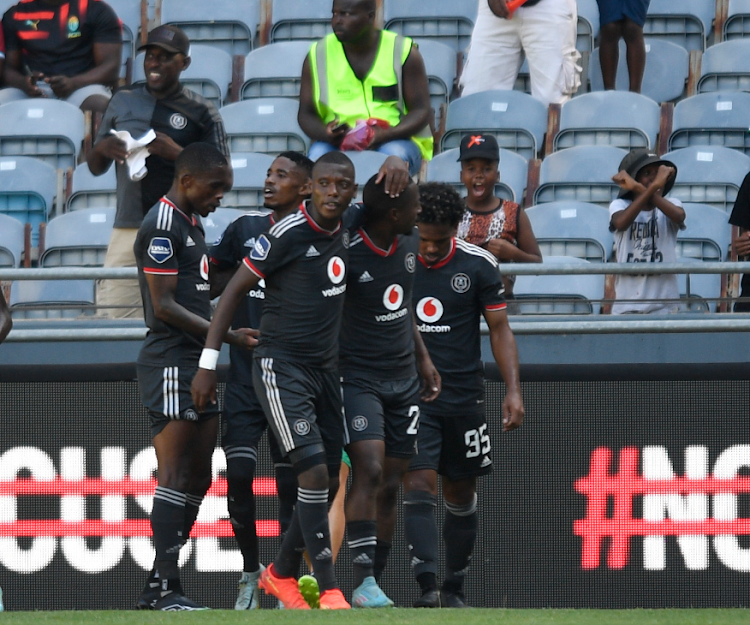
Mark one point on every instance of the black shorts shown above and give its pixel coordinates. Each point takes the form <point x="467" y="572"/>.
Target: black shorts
<point x="457" y="447"/>
<point x="243" y="423"/>
<point x="165" y="392"/>
<point x="302" y="405"/>
<point x="382" y="410"/>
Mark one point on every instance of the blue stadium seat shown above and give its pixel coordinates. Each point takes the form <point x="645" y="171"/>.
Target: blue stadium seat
<point x="707" y="233"/>
<point x="440" y="65"/>
<point x="51" y="299"/>
<point x="515" y="119"/>
<point x="267" y="125"/>
<point x="295" y="21"/>
<point x="665" y="75"/>
<point x="737" y="24"/>
<point x="717" y="118"/>
<point x="514" y="170"/>
<point x="698" y="291"/>
<point x="50" y="130"/>
<point x="274" y="70"/>
<point x="215" y="223"/>
<point x="90" y="191"/>
<point x="11" y="241"/>
<point x="448" y="21"/>
<point x="225" y="24"/>
<point x="686" y="23"/>
<point x="27" y="190"/>
<point x="249" y="179"/>
<point x="129" y="12"/>
<point x="572" y="229"/>
<point x="725" y="67"/>
<point x="582" y="173"/>
<point x="619" y="118"/>
<point x="559" y="295"/>
<point x="587" y="29"/>
<point x="709" y="175"/>
<point x="209" y="73"/>
<point x="78" y="239"/>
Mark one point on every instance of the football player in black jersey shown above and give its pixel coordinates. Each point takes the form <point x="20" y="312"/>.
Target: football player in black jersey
<point x="456" y="283"/>
<point x="172" y="262"/>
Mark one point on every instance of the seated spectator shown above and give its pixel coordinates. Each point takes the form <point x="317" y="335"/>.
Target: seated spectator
<point x="543" y="30"/>
<point x="6" y="323"/>
<point x="622" y="19"/>
<point x="741" y="242"/>
<point x="65" y="49"/>
<point x="645" y="222"/>
<point x="499" y="226"/>
<point x="359" y="60"/>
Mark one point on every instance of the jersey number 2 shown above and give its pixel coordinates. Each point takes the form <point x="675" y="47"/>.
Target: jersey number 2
<point x="414" y="425"/>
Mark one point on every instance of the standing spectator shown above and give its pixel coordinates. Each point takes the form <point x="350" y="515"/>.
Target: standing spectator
<point x="645" y="222"/>
<point x="6" y="322"/>
<point x="741" y="243"/>
<point x="179" y="117"/>
<point x="359" y="60"/>
<point x="543" y="30"/>
<point x="622" y="19"/>
<point x="65" y="49"/>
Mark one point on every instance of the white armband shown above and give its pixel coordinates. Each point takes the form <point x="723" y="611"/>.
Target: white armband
<point x="208" y="359"/>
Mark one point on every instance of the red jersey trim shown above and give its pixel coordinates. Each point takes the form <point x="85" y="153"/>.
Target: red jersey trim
<point x="64" y="10"/>
<point x="253" y="268"/>
<point x="161" y="272"/>
<point x="444" y="261"/>
<point x="32" y="34"/>
<point x="38" y="15"/>
<point x="496" y="307"/>
<point x="314" y="225"/>
<point x="192" y="220"/>
<point x="380" y="252"/>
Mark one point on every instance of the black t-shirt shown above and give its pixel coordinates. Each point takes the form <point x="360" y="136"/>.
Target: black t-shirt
<point x="304" y="267"/>
<point x="449" y="299"/>
<point x="741" y="217"/>
<point x="237" y="241"/>
<point x="169" y="243"/>
<point x="59" y="40"/>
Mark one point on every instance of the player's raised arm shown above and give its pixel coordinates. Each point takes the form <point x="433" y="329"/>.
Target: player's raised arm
<point x="504" y="350"/>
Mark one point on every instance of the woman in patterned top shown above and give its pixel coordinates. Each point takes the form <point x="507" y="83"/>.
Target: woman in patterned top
<point x="499" y="226"/>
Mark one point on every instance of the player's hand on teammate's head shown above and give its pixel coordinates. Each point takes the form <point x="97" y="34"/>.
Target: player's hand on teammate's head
<point x="396" y="174"/>
<point x="513" y="411"/>
<point x="243" y="337"/>
<point x="203" y="389"/>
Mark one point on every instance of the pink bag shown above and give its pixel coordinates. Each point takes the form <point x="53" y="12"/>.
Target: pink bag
<point x="361" y="136"/>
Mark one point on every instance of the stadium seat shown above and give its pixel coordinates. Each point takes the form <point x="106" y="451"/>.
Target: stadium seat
<point x="559" y="295"/>
<point x="737" y="24"/>
<point x="698" y="291"/>
<point x="572" y="229"/>
<point x="274" y="70"/>
<point x="27" y="190"/>
<point x="366" y="165"/>
<point x="50" y="130"/>
<point x="665" y="75"/>
<point x="686" y="23"/>
<point x="129" y="12"/>
<point x="51" y="299"/>
<point x="513" y="174"/>
<point x="726" y="67"/>
<point x="11" y="242"/>
<point x="515" y="119"/>
<point x="709" y="175"/>
<point x="209" y="73"/>
<point x="717" y="118"/>
<point x="707" y="234"/>
<point x="295" y="21"/>
<point x="588" y="25"/>
<point x="225" y="24"/>
<point x="90" y="191"/>
<point x="78" y="239"/>
<point x="582" y="173"/>
<point x="249" y="179"/>
<point x="440" y="65"/>
<point x="267" y="125"/>
<point x="448" y="21"/>
<point x="215" y="223"/>
<point x="619" y="118"/>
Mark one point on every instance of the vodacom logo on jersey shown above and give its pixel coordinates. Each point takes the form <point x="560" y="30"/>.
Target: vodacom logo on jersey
<point x="430" y="310"/>
<point x="393" y="299"/>
<point x="336" y="274"/>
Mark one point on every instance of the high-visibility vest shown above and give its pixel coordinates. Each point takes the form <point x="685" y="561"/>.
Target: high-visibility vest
<point x="338" y="93"/>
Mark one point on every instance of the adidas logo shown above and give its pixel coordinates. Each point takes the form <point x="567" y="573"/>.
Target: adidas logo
<point x="486" y="462"/>
<point x="311" y="252"/>
<point x="362" y="558"/>
<point x="366" y="277"/>
<point x="415" y="560"/>
<point x="324" y="555"/>
<point x="189" y="242"/>
<point x="250" y="242"/>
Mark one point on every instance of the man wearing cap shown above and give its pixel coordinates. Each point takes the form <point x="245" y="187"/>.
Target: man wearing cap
<point x="645" y="222"/>
<point x="178" y="117"/>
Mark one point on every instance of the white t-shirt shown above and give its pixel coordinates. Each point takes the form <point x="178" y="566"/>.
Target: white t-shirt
<point x="651" y="238"/>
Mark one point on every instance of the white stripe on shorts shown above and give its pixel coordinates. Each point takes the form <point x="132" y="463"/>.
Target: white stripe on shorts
<point x="274" y="401"/>
<point x="171" y="392"/>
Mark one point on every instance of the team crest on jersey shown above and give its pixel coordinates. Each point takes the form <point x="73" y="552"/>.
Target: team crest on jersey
<point x="336" y="270"/>
<point x="74" y="26"/>
<point x="204" y="267"/>
<point x="429" y="309"/>
<point x="359" y="423"/>
<point x="261" y="248"/>
<point x="345" y="238"/>
<point x="393" y="297"/>
<point x="302" y="427"/>
<point x="460" y="283"/>
<point x="190" y="415"/>
<point x="160" y="249"/>
<point x="178" y="121"/>
<point x="410" y="262"/>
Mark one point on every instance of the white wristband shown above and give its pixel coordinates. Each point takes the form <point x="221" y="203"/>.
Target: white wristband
<point x="208" y="359"/>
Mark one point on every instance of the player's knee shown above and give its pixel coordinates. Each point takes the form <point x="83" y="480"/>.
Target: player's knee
<point x="177" y="478"/>
<point x="632" y="32"/>
<point x="367" y="473"/>
<point x="314" y="478"/>
<point x="240" y="471"/>
<point x="419" y="481"/>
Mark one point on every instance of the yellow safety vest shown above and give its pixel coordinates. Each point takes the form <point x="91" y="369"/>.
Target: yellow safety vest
<point x="338" y="93"/>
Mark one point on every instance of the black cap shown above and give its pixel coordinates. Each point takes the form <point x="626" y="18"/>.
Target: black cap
<point x="169" y="38"/>
<point x="639" y="158"/>
<point x="479" y="146"/>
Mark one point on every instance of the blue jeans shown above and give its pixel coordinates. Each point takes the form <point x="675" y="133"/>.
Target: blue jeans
<point x="405" y="149"/>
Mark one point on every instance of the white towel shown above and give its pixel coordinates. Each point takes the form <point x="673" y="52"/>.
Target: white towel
<point x="137" y="151"/>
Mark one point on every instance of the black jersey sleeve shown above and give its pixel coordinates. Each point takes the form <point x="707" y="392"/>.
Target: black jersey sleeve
<point x="271" y="252"/>
<point x="228" y="251"/>
<point x="160" y="251"/>
<point x="491" y="290"/>
<point x="107" y="26"/>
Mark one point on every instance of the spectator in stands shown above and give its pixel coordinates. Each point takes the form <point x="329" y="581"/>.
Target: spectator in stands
<point x="741" y="242"/>
<point x="64" y="49"/>
<point x="2" y="54"/>
<point x="622" y="19"/>
<point x="179" y="117"/>
<point x="499" y="226"/>
<point x="359" y="60"/>
<point x="645" y="222"/>
<point x="6" y="323"/>
<point x="543" y="30"/>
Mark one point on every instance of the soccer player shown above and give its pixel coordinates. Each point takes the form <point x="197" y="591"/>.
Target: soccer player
<point x="303" y="262"/>
<point x="173" y="274"/>
<point x="455" y="284"/>
<point x="379" y="370"/>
